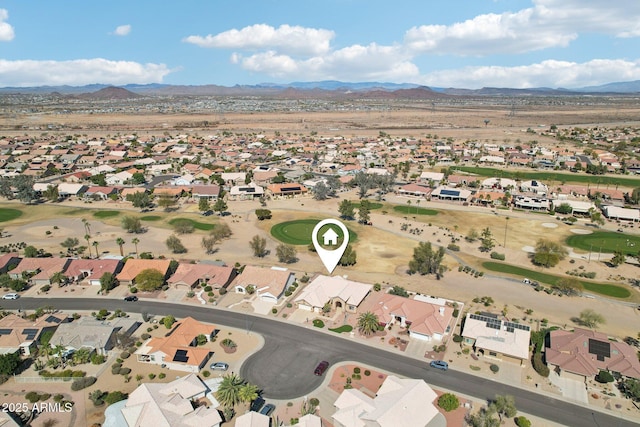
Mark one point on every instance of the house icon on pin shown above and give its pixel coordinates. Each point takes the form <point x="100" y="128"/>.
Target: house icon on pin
<point x="330" y="237"/>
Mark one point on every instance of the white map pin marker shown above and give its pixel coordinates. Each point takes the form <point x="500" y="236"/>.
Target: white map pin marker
<point x="330" y="237"/>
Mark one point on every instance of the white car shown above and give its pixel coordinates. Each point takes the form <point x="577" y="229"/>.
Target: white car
<point x="10" y="296"/>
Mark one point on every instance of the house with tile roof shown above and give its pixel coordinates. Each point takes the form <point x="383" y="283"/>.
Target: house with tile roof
<point x="270" y="284"/>
<point x="179" y="350"/>
<point x="190" y="275"/>
<point x="495" y="338"/>
<point x="90" y="271"/>
<point x="253" y="419"/>
<point x="42" y="269"/>
<point x="580" y="354"/>
<point x="170" y="405"/>
<point x="398" y="402"/>
<point x="337" y="291"/>
<point x="135" y="266"/>
<point x="426" y="318"/>
<point x="22" y="334"/>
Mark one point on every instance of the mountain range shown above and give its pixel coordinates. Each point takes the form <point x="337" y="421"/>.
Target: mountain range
<point x="320" y="89"/>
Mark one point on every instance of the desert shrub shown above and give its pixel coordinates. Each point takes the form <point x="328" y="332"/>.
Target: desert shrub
<point x="539" y="366"/>
<point x="58" y="397"/>
<point x="82" y="383"/>
<point x="78" y="374"/>
<point x="222" y="291"/>
<point x="45" y="396"/>
<point x="116" y="365"/>
<point x="125" y="355"/>
<point x="32" y="396"/>
<point x="145" y="336"/>
<point x="314" y="401"/>
<point x="274" y="310"/>
<point x="453" y="247"/>
<point x="124" y="371"/>
<point x="494" y="368"/>
<point x="496" y="255"/>
<point x="115" y="396"/>
<point x="206" y="374"/>
<point x="356" y="370"/>
<point x="98" y="359"/>
<point x="522" y="421"/>
<point x="45" y="288"/>
<point x="448" y="402"/>
<point x="152" y="376"/>
<point x="604" y="377"/>
<point x="162" y="375"/>
<point x="457" y="338"/>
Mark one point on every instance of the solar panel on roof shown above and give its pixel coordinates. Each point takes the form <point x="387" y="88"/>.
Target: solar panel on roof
<point x="30" y="333"/>
<point x="181" y="356"/>
<point x="601" y="349"/>
<point x="5" y="331"/>
<point x="52" y="319"/>
<point x="453" y="193"/>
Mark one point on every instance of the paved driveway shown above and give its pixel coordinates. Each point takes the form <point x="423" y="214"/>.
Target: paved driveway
<point x="570" y="389"/>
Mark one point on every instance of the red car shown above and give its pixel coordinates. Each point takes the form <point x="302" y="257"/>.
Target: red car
<point x="322" y="366"/>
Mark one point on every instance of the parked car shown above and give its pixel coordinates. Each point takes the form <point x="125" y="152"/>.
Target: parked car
<point x="10" y="296"/>
<point x="131" y="298"/>
<point x="256" y="405"/>
<point x="268" y="409"/>
<point x="439" y="364"/>
<point x="321" y="368"/>
<point x="526" y="281"/>
<point x="219" y="366"/>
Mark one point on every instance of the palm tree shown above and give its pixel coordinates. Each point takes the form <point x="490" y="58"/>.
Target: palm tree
<point x="228" y="393"/>
<point x="95" y="245"/>
<point x="58" y="278"/>
<point x="120" y="242"/>
<point x="135" y="241"/>
<point x="248" y="392"/>
<point x="87" y="226"/>
<point x="87" y="237"/>
<point x="368" y="323"/>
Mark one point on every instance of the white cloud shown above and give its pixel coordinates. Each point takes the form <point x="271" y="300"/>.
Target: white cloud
<point x="122" y="30"/>
<point x="79" y="72"/>
<point x="6" y="30"/>
<point x="292" y="40"/>
<point x="355" y="62"/>
<point x="549" y="23"/>
<point x="551" y="73"/>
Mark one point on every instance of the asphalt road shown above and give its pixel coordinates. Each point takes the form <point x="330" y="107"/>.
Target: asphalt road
<point x="283" y="368"/>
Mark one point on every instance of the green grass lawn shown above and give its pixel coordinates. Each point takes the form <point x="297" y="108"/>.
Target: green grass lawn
<point x="7" y="214"/>
<point x="151" y="218"/>
<point x="372" y="205"/>
<point x="605" y="241"/>
<point x="414" y="210"/>
<point x="594" y="180"/>
<point x="106" y="214"/>
<point x="341" y="329"/>
<point x="299" y="232"/>
<point x="197" y="225"/>
<point x="318" y="323"/>
<point x="605" y="289"/>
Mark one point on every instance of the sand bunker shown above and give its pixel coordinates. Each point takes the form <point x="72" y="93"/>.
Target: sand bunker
<point x="550" y="225"/>
<point x="580" y="231"/>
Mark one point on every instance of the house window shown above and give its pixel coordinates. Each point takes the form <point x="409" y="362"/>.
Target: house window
<point x="493" y="353"/>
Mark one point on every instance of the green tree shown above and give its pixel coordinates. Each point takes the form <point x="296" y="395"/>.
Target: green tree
<point x="138" y="178"/>
<point x="631" y="388"/>
<point x="364" y="212"/>
<point x="168" y="321"/>
<point x="263" y="214"/>
<point x="135" y="242"/>
<point x="504" y="405"/>
<point x="220" y="206"/>
<point x="248" y="392"/>
<point x="30" y="251"/>
<point x="149" y="280"/>
<point x="346" y="209"/>
<point x="9" y="363"/>
<point x="108" y="282"/>
<point x="485" y="417"/>
<point x="175" y="245"/>
<point x="139" y="199"/>
<point x="399" y="291"/>
<point x="120" y="243"/>
<point x="487" y="242"/>
<point x="70" y="243"/>
<point x="59" y="278"/>
<point x="228" y="393"/>
<point x="449" y="402"/>
<point x="183" y="226"/>
<point x="131" y="224"/>
<point x="259" y="246"/>
<point x="51" y="193"/>
<point x="349" y="257"/>
<point x="548" y="253"/>
<point x="167" y="202"/>
<point x="115" y="396"/>
<point x="426" y="260"/>
<point x="221" y="231"/>
<point x="286" y="253"/>
<point x="618" y="258"/>
<point x="563" y="208"/>
<point x="591" y="319"/>
<point x="569" y="286"/>
<point x="368" y="323"/>
<point x="203" y="204"/>
<point x="320" y="191"/>
<point x="472" y="236"/>
<point x="96" y="244"/>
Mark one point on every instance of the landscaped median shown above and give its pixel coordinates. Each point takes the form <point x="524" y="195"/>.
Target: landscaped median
<point x="605" y="289"/>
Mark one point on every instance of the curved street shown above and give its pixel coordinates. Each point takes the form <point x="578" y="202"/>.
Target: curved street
<point x="283" y="368"/>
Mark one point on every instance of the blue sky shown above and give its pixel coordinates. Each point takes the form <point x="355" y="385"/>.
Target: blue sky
<point x="459" y="43"/>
